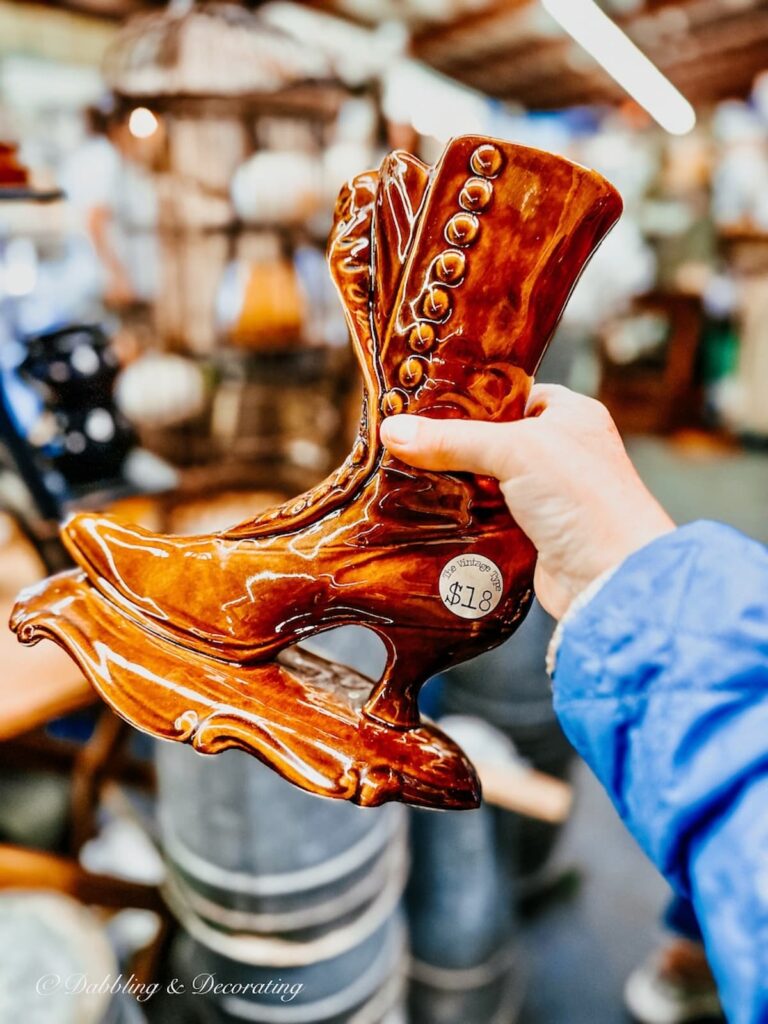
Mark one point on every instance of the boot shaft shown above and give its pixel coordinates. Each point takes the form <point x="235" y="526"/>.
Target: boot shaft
<point x="501" y="236"/>
<point x="472" y="263"/>
<point x="452" y="279"/>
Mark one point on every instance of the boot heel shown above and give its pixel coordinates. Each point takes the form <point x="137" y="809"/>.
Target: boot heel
<point x="394" y="700"/>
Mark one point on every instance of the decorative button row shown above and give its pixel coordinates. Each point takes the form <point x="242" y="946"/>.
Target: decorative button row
<point x="449" y="268"/>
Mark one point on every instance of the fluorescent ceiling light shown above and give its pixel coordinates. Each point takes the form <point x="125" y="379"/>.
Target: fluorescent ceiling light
<point x="614" y="50"/>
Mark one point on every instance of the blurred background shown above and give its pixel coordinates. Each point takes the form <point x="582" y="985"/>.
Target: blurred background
<point x="171" y="349"/>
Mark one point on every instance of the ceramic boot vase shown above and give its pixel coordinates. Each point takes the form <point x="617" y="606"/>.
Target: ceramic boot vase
<point x="453" y="279"/>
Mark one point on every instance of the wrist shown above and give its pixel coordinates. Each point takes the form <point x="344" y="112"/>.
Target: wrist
<point x="642" y="531"/>
<point x="580" y="601"/>
<point x="654" y="528"/>
<point x="629" y="529"/>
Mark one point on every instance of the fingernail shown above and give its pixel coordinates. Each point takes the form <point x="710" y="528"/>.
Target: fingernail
<point x="400" y="430"/>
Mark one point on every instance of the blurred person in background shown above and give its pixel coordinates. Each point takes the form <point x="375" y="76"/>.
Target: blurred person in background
<point x="114" y="204"/>
<point x="660" y="658"/>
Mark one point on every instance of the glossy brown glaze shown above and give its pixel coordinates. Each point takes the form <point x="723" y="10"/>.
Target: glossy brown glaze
<point x="453" y="279"/>
<point x="262" y="708"/>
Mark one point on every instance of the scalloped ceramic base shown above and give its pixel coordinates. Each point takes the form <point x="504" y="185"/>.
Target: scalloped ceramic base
<point x="300" y="714"/>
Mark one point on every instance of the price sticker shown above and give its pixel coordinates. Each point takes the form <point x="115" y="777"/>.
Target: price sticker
<point x="471" y="586"/>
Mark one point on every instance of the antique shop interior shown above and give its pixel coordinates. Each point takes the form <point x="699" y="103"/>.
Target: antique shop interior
<point x="200" y="271"/>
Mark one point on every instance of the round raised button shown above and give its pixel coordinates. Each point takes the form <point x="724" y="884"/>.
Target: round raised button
<point x="486" y="160"/>
<point x="437" y="303"/>
<point x="462" y="229"/>
<point x="476" y="194"/>
<point x="422" y="338"/>
<point x="450" y="266"/>
<point x="411" y="372"/>
<point x="394" y="402"/>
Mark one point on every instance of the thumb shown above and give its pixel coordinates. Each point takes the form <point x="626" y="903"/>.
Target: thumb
<point x="469" y="446"/>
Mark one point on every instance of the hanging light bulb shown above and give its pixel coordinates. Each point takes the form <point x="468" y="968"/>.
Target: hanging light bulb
<point x="142" y="123"/>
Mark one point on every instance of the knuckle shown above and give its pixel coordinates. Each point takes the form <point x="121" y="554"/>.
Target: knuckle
<point x="436" y="443"/>
<point x="427" y="439"/>
<point x="445" y="444"/>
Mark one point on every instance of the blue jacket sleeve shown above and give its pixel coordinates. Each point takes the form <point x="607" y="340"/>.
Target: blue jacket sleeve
<point x="662" y="686"/>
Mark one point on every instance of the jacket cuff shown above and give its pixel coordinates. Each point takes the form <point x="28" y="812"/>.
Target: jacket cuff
<point x="579" y="602"/>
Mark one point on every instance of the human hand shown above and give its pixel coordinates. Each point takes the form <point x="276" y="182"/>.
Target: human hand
<point x="565" y="475"/>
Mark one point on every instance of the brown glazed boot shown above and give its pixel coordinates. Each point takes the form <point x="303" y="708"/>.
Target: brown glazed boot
<point x="453" y="279"/>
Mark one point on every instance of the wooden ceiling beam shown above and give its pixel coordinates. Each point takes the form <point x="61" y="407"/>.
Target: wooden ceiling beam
<point x="523" y="52"/>
<point x="715" y="40"/>
<point x="473" y="22"/>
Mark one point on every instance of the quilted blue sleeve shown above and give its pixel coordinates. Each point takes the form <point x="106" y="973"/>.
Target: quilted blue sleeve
<point x="662" y="686"/>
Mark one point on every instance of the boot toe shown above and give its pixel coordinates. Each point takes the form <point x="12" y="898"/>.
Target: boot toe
<point x="146" y="573"/>
<point x="98" y="544"/>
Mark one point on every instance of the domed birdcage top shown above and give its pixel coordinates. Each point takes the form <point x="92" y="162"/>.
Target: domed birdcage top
<point x="209" y="50"/>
